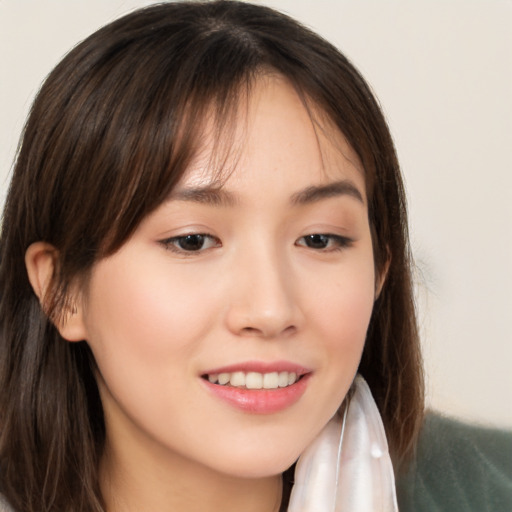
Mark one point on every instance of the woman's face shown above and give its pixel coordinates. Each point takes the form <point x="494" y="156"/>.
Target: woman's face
<point x="228" y="329"/>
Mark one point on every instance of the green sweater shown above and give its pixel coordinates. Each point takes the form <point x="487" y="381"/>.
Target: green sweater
<point x="458" y="467"/>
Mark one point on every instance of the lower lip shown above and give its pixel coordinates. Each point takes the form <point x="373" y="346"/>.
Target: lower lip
<point x="260" y="401"/>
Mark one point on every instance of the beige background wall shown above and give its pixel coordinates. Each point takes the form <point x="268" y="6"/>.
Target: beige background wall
<point x="443" y="73"/>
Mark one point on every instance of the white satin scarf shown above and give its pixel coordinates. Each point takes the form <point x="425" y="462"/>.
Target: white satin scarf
<point x="347" y="468"/>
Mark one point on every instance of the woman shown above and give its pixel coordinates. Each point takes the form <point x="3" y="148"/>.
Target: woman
<point x="204" y="241"/>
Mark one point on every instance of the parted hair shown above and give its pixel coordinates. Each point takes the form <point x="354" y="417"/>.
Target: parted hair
<point x="112" y="130"/>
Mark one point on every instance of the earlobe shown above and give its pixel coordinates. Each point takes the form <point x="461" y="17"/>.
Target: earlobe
<point x="41" y="259"/>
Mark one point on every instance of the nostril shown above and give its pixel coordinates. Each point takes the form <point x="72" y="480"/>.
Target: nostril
<point x="289" y="330"/>
<point x="251" y="330"/>
<point x="268" y="333"/>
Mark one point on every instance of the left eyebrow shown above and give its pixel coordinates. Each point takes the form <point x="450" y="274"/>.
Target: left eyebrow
<point x="318" y="192"/>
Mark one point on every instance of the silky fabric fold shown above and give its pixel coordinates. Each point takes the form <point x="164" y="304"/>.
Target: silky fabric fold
<point x="347" y="468"/>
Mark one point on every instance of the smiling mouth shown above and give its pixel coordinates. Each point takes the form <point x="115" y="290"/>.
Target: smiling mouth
<point x="254" y="380"/>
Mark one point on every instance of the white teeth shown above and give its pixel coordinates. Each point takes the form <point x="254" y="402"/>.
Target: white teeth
<point x="224" y="378"/>
<point x="237" y="379"/>
<point x="255" y="380"/>
<point x="271" y="380"/>
<point x="283" y="379"/>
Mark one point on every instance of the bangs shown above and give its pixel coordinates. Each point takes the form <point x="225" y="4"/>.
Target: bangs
<point x="126" y="112"/>
<point x="152" y="122"/>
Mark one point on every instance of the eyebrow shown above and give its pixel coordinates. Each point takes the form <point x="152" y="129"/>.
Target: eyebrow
<point x="217" y="196"/>
<point x="210" y="195"/>
<point x="318" y="192"/>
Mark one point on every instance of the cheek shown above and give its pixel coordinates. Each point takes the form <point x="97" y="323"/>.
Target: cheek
<point x="343" y="301"/>
<point x="142" y="309"/>
<point x="342" y="309"/>
<point x="144" y="331"/>
<point x="350" y="310"/>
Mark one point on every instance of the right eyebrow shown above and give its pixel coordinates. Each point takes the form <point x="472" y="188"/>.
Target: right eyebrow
<point x="211" y="195"/>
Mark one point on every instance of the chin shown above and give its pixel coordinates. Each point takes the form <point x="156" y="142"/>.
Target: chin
<point x="259" y="465"/>
<point x="264" y="470"/>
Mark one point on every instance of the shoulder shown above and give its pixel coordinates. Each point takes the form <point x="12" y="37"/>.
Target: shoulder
<point x="458" y="467"/>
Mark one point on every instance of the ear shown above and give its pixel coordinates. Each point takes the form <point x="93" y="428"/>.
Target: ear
<point x="380" y="277"/>
<point x="41" y="259"/>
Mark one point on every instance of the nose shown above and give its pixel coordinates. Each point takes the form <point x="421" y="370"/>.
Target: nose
<point x="264" y="298"/>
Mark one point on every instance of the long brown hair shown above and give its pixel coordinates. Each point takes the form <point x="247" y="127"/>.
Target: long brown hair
<point x="109" y="135"/>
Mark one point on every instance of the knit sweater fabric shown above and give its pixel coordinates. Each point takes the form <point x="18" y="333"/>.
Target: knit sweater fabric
<point x="458" y="467"/>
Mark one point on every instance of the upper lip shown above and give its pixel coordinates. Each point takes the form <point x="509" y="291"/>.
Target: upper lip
<point x="260" y="367"/>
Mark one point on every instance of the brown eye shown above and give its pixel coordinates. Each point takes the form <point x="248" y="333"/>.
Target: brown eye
<point x="194" y="242"/>
<point x="320" y="241"/>
<point x="317" y="241"/>
<point x="191" y="242"/>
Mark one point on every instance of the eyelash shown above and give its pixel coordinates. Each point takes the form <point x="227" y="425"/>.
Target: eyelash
<point x="337" y="242"/>
<point x="173" y="244"/>
<point x="332" y="242"/>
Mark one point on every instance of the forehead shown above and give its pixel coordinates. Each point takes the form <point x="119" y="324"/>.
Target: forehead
<point x="274" y="132"/>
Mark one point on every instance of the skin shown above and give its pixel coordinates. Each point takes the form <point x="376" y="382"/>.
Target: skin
<point x="158" y="317"/>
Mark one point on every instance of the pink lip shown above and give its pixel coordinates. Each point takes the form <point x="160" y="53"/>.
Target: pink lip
<point x="260" y="401"/>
